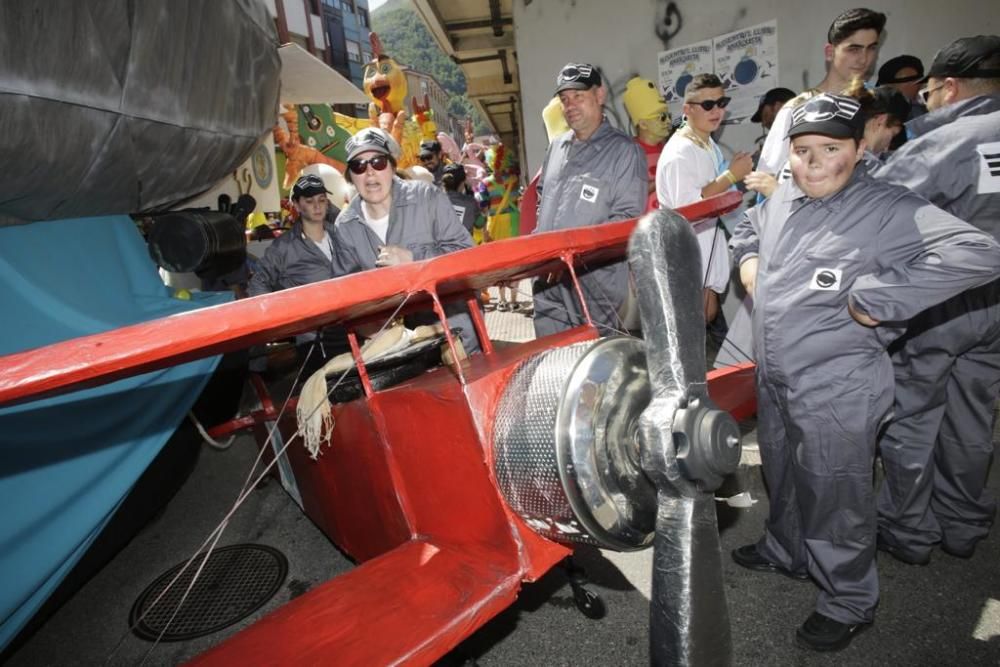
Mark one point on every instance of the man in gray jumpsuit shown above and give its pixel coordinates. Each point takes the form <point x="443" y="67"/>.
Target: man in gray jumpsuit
<point x="829" y="252"/>
<point x="592" y="174"/>
<point x="392" y="221"/>
<point x="937" y="450"/>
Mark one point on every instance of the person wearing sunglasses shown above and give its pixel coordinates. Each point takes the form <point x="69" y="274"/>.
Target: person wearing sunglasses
<point x="431" y="159"/>
<point x="592" y="174"/>
<point x="650" y="121"/>
<point x="836" y="261"/>
<point x="692" y="167"/>
<point x="905" y="73"/>
<point x="392" y="221"/>
<point x="937" y="449"/>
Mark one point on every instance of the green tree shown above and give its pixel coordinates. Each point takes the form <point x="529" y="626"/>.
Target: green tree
<point x="406" y="39"/>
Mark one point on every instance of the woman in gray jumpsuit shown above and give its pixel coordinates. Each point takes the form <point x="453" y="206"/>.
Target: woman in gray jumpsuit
<point x="392" y="221"/>
<point x="836" y="263"/>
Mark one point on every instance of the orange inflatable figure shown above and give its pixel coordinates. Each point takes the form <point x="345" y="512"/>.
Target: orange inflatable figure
<point x="385" y="84"/>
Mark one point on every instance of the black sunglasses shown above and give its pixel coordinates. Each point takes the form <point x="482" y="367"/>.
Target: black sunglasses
<point x="378" y="163"/>
<point x="708" y="105"/>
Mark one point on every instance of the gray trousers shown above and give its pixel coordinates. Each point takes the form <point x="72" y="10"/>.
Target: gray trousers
<point x="937" y="451"/>
<point x="557" y="307"/>
<point x="817" y="450"/>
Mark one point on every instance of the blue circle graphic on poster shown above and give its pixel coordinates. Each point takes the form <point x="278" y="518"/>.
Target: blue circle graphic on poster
<point x="682" y="83"/>
<point x="746" y="70"/>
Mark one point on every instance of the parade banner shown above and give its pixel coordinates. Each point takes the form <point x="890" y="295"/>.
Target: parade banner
<point x="747" y="63"/>
<point x="677" y="67"/>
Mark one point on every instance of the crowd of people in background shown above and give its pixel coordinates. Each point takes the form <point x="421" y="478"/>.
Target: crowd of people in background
<point x="869" y="251"/>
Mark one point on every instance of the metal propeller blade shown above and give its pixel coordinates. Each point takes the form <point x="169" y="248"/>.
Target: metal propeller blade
<point x="687" y="447"/>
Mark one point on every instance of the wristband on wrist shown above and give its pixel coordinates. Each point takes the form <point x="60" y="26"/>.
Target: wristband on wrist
<point x="729" y="177"/>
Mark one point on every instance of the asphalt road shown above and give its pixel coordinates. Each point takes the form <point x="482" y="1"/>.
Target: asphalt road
<point x="947" y="613"/>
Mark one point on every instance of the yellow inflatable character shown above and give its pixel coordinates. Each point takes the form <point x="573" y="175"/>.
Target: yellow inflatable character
<point x="648" y="111"/>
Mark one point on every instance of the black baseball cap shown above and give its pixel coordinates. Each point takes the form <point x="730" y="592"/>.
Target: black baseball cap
<point x="834" y="116"/>
<point x="962" y="58"/>
<point x="888" y="72"/>
<point x="430" y="145"/>
<point x="770" y="97"/>
<point x="308" y="186"/>
<point x="577" y="76"/>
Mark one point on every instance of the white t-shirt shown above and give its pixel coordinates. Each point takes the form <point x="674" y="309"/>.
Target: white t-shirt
<point x="774" y="153"/>
<point x="681" y="172"/>
<point x="378" y="225"/>
<point x="325" y="246"/>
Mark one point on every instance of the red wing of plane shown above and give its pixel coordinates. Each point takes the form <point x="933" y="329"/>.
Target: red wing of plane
<point x="431" y="485"/>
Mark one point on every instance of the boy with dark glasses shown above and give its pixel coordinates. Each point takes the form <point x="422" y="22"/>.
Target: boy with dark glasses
<point x="692" y="167"/>
<point x="391" y="221"/>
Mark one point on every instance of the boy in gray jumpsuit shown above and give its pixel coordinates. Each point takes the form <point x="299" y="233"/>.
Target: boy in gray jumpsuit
<point x="830" y="255"/>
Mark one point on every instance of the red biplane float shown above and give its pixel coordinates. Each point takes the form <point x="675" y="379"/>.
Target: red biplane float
<point x="565" y="440"/>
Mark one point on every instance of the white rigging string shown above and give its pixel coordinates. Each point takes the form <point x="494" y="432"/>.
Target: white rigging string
<point x="249" y="484"/>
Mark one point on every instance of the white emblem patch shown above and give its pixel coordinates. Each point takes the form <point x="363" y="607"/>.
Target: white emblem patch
<point x="459" y="212"/>
<point x="588" y="193"/>
<point x="989" y="168"/>
<point x="826" y="280"/>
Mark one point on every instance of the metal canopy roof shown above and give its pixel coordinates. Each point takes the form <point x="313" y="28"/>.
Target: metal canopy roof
<point x="479" y="36"/>
<point x="307" y="79"/>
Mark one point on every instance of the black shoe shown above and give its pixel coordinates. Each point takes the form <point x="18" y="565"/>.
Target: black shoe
<point x="900" y="554"/>
<point x="747" y="556"/>
<point x="965" y="553"/>
<point x="821" y="633"/>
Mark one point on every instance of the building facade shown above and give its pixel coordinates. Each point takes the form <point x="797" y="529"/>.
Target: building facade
<point x="420" y="84"/>
<point x="335" y="31"/>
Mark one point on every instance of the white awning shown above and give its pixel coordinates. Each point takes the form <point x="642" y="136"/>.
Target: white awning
<point x="307" y="79"/>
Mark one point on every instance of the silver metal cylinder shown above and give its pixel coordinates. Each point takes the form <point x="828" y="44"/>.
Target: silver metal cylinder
<point x="566" y="454"/>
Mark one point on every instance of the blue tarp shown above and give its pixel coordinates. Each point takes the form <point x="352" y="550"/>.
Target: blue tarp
<point x="66" y="463"/>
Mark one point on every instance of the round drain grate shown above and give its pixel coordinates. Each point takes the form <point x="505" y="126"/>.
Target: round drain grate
<point x="235" y="582"/>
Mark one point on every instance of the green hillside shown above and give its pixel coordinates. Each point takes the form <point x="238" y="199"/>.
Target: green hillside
<point x="406" y="39"/>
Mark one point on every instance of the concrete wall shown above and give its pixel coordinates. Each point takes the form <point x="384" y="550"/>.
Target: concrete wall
<point x="620" y="37"/>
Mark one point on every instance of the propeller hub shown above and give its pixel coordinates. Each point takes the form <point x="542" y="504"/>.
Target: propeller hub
<point x="707" y="441"/>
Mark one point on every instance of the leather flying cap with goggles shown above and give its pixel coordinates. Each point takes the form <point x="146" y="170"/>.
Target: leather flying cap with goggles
<point x="834" y="116"/>
<point x="577" y="76"/>
<point x="372" y="139"/>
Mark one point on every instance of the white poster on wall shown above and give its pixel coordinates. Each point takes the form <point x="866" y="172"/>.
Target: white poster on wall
<point x="678" y="66"/>
<point x="747" y="63"/>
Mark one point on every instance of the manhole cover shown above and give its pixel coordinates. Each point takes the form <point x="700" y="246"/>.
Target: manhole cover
<point x="235" y="582"/>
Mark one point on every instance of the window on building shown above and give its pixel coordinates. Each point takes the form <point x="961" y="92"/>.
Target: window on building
<point x="349" y="6"/>
<point x="353" y="51"/>
<point x="332" y="3"/>
<point x="363" y="15"/>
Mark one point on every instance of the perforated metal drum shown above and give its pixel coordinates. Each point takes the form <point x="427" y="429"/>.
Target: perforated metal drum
<point x="566" y="454"/>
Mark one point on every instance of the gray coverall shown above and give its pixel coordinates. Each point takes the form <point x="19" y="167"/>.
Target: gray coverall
<point x="293" y="260"/>
<point x="422" y="221"/>
<point x="585" y="183"/>
<point x="936" y="452"/>
<point x="824" y="382"/>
